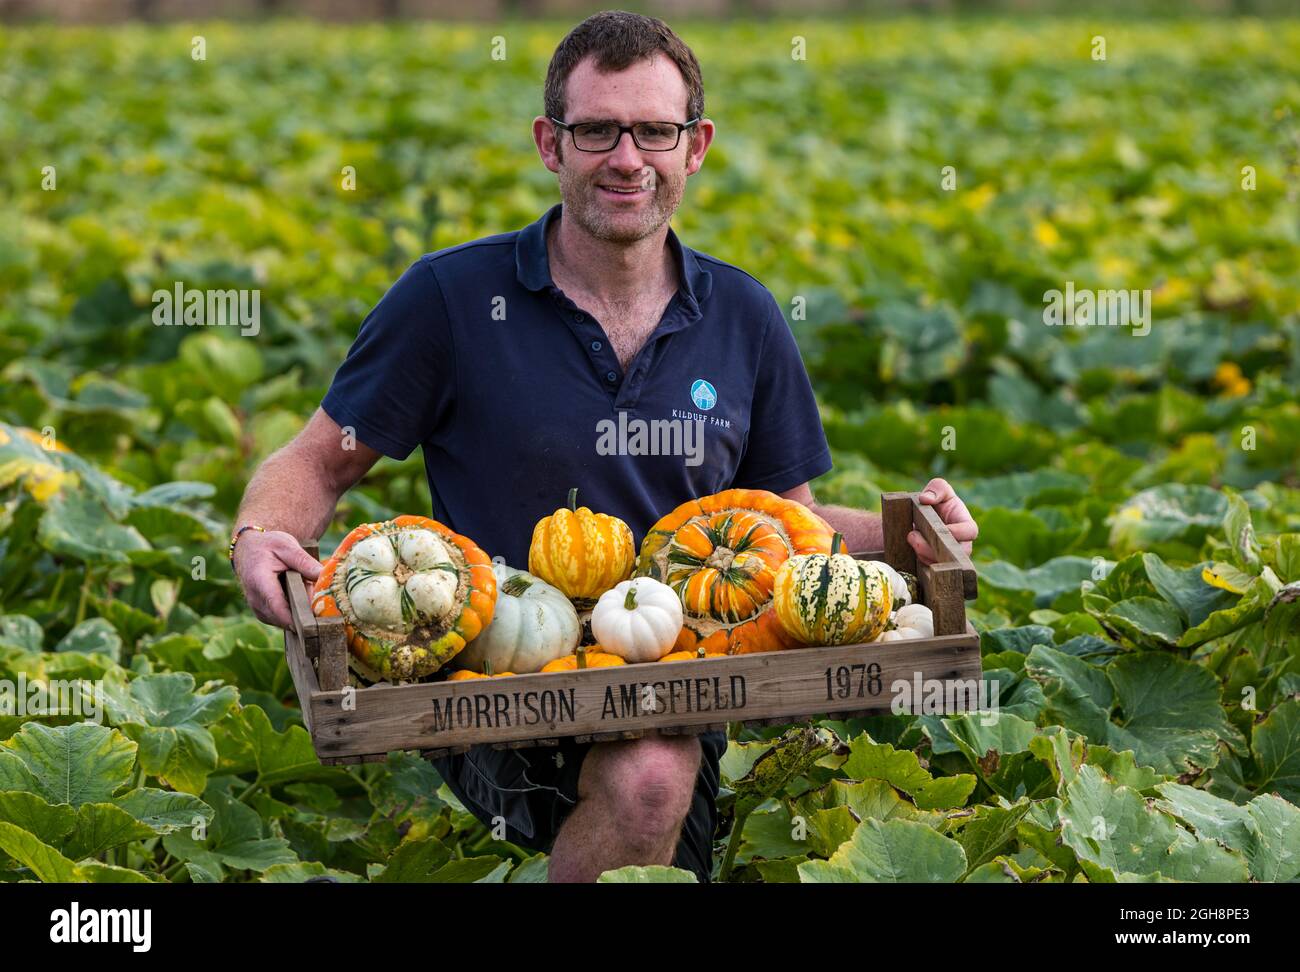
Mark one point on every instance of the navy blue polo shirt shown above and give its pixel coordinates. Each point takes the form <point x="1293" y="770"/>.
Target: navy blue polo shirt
<point x="515" y="394"/>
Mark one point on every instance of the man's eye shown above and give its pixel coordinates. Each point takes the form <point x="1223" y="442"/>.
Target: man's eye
<point x="595" y="130"/>
<point x="657" y="131"/>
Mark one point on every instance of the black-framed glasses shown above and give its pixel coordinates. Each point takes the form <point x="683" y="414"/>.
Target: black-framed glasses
<point x="649" y="136"/>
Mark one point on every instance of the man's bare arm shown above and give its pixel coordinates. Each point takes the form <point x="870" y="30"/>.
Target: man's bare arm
<point x="292" y="496"/>
<point x="863" y="530"/>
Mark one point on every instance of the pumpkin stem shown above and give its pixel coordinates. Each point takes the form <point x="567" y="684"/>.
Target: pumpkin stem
<point x="699" y="652"/>
<point x="573" y="499"/>
<point x="516" y="584"/>
<point x="582" y="657"/>
<point x="837" y="541"/>
<point x="629" y="602"/>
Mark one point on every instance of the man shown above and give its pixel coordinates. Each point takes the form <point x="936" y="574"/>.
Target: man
<point x="504" y="357"/>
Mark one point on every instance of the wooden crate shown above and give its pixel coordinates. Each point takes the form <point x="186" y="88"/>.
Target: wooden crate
<point x="352" y="725"/>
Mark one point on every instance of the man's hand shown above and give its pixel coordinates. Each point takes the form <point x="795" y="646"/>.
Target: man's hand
<point x="260" y="559"/>
<point x="952" y="511"/>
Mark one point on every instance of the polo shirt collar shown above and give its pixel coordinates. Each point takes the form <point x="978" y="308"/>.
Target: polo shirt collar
<point x="534" y="270"/>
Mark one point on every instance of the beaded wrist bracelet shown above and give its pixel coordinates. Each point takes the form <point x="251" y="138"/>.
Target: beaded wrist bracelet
<point x="235" y="539"/>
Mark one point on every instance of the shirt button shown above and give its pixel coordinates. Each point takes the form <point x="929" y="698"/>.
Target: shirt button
<point x="611" y="377"/>
<point x="596" y="345"/>
<point x="579" y="317"/>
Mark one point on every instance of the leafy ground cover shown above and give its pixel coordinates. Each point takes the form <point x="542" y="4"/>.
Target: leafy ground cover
<point x="1138" y="496"/>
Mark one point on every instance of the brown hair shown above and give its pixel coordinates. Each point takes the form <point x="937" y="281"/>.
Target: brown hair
<point x="618" y="39"/>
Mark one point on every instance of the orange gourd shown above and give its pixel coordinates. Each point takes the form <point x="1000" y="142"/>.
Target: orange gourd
<point x="585" y="657"/>
<point x="582" y="553"/>
<point x="412" y="594"/>
<point x="721" y="553"/>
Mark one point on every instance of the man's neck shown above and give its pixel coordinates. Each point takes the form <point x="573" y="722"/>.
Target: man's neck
<point x="612" y="272"/>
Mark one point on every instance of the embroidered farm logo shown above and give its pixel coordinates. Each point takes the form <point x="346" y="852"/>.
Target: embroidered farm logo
<point x="656" y="437"/>
<point x="1082" y="308"/>
<point x="704" y="395"/>
<point x="236" y="308"/>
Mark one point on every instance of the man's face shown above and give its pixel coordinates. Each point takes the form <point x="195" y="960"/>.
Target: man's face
<point x="624" y="194"/>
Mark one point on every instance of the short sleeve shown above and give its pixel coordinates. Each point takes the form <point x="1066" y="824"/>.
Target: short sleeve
<point x="397" y="385"/>
<point x="786" y="445"/>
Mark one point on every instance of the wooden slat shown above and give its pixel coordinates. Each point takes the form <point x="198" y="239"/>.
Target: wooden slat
<point x="332" y="661"/>
<point x="941" y="590"/>
<point x="692" y="697"/>
<point x="868" y="555"/>
<point x="947" y="549"/>
<point x="896" y="523"/>
<point x="304" y="621"/>
<point x="305" y="685"/>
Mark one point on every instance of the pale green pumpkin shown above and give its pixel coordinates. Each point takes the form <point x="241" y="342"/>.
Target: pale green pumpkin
<point x="534" y="623"/>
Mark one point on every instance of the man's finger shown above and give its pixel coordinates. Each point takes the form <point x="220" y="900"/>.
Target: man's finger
<point x="923" y="552"/>
<point x="295" y="558"/>
<point x="964" y="530"/>
<point x="936" y="491"/>
<point x="275" y="606"/>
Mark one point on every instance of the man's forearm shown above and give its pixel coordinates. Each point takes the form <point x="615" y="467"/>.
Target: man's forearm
<point x="289" y="492"/>
<point x="862" y="530"/>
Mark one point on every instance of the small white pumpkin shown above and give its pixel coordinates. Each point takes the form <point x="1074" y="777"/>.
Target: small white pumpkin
<point x="533" y="623"/>
<point x="638" y="620"/>
<point x="911" y="621"/>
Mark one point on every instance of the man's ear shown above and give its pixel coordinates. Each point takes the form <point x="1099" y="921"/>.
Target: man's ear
<point x="698" y="146"/>
<point x="548" y="142"/>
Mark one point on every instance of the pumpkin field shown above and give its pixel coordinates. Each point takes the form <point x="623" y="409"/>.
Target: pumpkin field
<point x="909" y="190"/>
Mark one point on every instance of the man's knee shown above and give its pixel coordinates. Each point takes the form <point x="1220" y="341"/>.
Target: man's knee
<point x="646" y="786"/>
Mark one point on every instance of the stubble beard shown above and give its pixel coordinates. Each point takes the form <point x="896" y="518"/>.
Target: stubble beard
<point x="582" y="203"/>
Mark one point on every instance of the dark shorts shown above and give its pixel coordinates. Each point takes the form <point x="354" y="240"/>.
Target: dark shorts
<point x="534" y="792"/>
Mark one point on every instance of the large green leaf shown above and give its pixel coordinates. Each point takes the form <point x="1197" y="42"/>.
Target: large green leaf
<point x="77" y="764"/>
<point x="1163" y="708"/>
<point x="896" y="851"/>
<point x="650" y="874"/>
<point x="235" y="840"/>
<point x="169" y="720"/>
<point x="77" y="525"/>
<point x="1266" y="830"/>
<point x="1275" y="741"/>
<point x="1117" y="837"/>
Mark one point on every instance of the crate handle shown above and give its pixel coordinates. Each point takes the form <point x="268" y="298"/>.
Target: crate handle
<point x="901" y="513"/>
<point x="324" y="639"/>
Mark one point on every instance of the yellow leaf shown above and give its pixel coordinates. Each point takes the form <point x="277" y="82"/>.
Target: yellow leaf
<point x="1046" y="234"/>
<point x="1214" y="579"/>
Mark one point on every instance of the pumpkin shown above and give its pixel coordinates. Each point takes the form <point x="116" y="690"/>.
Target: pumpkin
<point x="412" y="594"/>
<point x="638" y="620"/>
<point x="831" y="599"/>
<point x="584" y="657"/>
<point x="533" y="623"/>
<point x="721" y="553"/>
<point x="698" y="653"/>
<point x="582" y="553"/>
<point x="465" y="674"/>
<point x="912" y="621"/>
<point x="901" y="586"/>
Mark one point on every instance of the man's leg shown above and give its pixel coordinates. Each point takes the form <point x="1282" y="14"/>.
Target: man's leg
<point x="633" y="798"/>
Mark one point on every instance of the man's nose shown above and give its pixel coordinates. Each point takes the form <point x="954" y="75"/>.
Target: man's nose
<point x="625" y="154"/>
